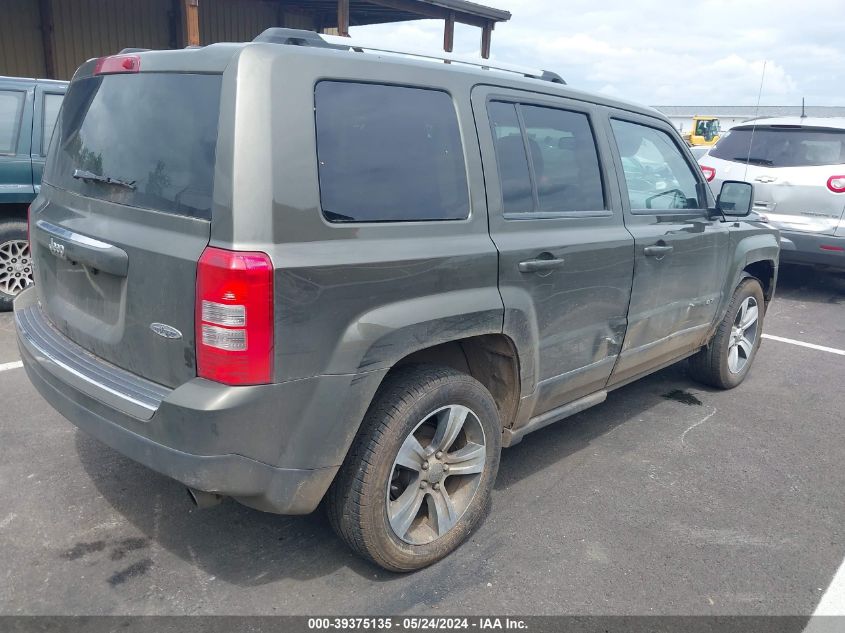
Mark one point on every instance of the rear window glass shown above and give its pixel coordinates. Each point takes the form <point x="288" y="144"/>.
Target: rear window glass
<point x="389" y="154"/>
<point x="782" y="146"/>
<point x="11" y="105"/>
<point x="154" y="132"/>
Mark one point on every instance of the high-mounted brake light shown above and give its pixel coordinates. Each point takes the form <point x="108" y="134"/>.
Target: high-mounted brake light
<point x="234" y="317"/>
<point x="836" y="184"/>
<point x="118" y="64"/>
<point x="709" y="172"/>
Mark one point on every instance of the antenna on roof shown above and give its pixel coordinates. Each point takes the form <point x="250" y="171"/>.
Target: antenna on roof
<point x="803" y="112"/>
<point x="754" y="125"/>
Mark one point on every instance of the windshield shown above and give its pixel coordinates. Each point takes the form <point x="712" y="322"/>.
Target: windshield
<point x="143" y="140"/>
<point x="780" y="146"/>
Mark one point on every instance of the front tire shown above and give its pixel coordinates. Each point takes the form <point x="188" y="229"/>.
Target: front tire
<point x="418" y="478"/>
<point x="725" y="362"/>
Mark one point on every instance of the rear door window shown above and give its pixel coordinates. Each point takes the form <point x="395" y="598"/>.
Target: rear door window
<point x="156" y="133"/>
<point x="566" y="163"/>
<point x="782" y="146"/>
<point x="547" y="159"/>
<point x="11" y="108"/>
<point x="514" y="175"/>
<point x="389" y="154"/>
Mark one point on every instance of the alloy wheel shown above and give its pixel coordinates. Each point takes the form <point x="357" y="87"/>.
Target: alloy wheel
<point x="436" y="474"/>
<point x="743" y="335"/>
<point x="15" y="266"/>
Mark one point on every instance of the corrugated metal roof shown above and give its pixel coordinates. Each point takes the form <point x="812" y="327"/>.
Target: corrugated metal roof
<point x="21" y="53"/>
<point x="752" y="111"/>
<point x="499" y="15"/>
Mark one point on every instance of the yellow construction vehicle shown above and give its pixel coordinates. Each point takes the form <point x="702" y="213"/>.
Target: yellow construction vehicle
<point x="705" y="131"/>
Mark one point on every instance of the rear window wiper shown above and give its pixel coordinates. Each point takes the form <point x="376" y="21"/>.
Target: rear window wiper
<point x="81" y="174"/>
<point x="754" y="159"/>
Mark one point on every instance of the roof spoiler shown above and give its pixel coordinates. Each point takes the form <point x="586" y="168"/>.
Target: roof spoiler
<point x="294" y="37"/>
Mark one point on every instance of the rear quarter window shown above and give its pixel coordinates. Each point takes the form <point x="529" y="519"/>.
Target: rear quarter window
<point x="389" y="154"/>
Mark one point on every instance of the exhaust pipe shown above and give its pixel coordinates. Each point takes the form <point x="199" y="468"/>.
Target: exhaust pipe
<point x="202" y="499"/>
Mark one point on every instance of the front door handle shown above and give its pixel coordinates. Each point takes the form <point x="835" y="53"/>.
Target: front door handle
<point x="657" y="251"/>
<point x="535" y="265"/>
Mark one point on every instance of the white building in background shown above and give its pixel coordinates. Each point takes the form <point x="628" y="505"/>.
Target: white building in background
<point x="729" y="116"/>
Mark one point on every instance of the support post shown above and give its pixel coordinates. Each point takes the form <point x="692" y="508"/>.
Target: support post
<point x="486" y="33"/>
<point x="191" y="14"/>
<point x="48" y="38"/>
<point x="449" y="33"/>
<point x="343" y="18"/>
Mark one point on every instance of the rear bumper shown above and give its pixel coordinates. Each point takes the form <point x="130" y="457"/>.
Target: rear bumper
<point x="806" y="248"/>
<point x="272" y="447"/>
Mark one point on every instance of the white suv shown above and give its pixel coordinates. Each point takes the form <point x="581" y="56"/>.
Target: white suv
<point x="797" y="166"/>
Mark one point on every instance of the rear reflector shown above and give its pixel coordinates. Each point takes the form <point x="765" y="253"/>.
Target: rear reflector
<point x="829" y="247"/>
<point x="709" y="172"/>
<point x="234" y="317"/>
<point x="117" y="64"/>
<point x="836" y="184"/>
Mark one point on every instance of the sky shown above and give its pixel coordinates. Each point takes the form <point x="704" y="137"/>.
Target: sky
<point x="708" y="52"/>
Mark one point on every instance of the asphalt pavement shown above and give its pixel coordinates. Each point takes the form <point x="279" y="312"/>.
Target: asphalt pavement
<point x="669" y="498"/>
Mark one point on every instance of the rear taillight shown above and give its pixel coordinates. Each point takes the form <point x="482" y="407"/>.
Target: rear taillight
<point x="234" y="317"/>
<point x="117" y="64"/>
<point x="836" y="184"/>
<point x="709" y="172"/>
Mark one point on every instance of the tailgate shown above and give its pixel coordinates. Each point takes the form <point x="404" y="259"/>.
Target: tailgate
<point x="124" y="216"/>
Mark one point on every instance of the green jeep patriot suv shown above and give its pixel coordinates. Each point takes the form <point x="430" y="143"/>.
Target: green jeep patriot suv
<point x="292" y="271"/>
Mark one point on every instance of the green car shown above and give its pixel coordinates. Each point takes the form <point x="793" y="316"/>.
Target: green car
<point x="28" y="111"/>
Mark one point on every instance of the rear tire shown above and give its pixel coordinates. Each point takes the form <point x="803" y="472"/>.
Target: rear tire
<point x="399" y="499"/>
<point x="725" y="362"/>
<point x="15" y="261"/>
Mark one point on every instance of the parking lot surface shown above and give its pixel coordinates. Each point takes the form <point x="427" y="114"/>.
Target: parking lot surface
<point x="669" y="498"/>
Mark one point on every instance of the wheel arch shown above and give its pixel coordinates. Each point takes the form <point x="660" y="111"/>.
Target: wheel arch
<point x="492" y="359"/>
<point x="764" y="271"/>
<point x="13" y="211"/>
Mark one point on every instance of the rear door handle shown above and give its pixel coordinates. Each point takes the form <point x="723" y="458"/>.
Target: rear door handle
<point x="657" y="251"/>
<point x="535" y="265"/>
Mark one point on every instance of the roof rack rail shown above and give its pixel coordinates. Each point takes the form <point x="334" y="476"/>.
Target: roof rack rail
<point x="296" y="37"/>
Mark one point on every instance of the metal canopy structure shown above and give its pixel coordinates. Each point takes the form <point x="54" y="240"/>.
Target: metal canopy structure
<point x="51" y="38"/>
<point x="341" y="14"/>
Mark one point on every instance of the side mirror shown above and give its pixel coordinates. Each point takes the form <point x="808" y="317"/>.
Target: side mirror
<point x="735" y="198"/>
